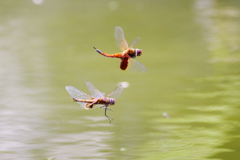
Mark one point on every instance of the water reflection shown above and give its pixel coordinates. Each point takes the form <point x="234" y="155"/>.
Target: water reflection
<point x="221" y="28"/>
<point x="20" y="114"/>
<point x="222" y="31"/>
<point x="87" y="144"/>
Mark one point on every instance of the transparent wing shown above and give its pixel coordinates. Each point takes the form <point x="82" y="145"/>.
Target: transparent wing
<point x="116" y="92"/>
<point x="75" y="93"/>
<point x="120" y="40"/>
<point x="94" y="91"/>
<point x="134" y="42"/>
<point x="135" y="66"/>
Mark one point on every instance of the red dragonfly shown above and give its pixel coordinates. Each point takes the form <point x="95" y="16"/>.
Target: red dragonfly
<point x="127" y="61"/>
<point x="96" y="97"/>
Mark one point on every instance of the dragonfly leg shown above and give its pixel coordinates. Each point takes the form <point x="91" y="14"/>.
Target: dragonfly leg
<point x="105" y="113"/>
<point x="109" y="109"/>
<point x="106" y="107"/>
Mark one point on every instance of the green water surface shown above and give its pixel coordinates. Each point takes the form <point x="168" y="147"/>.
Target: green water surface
<point x="185" y="107"/>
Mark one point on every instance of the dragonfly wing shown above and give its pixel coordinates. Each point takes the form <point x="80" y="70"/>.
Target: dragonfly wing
<point x="94" y="91"/>
<point x="120" y="40"/>
<point x="135" y="66"/>
<point x="134" y="42"/>
<point x="116" y="92"/>
<point x="75" y="93"/>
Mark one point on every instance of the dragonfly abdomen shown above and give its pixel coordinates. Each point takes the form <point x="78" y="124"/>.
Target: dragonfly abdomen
<point x="117" y="55"/>
<point x="83" y="100"/>
<point x="110" y="101"/>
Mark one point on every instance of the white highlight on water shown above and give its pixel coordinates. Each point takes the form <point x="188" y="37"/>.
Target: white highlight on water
<point x="38" y="2"/>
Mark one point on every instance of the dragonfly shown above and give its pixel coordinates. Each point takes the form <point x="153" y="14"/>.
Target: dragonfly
<point x="127" y="54"/>
<point x="96" y="97"/>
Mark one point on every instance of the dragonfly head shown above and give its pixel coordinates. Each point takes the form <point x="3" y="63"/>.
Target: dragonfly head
<point x="138" y="52"/>
<point x="111" y="101"/>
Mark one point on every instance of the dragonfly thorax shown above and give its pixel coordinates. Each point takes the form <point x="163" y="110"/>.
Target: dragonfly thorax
<point x="133" y="52"/>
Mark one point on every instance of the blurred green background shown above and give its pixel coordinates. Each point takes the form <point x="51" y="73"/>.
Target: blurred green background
<point x="191" y="51"/>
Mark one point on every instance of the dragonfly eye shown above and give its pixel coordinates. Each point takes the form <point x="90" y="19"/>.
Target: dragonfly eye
<point x="138" y="52"/>
<point x="112" y="101"/>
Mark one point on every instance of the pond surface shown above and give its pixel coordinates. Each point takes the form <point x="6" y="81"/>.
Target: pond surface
<point x="185" y="107"/>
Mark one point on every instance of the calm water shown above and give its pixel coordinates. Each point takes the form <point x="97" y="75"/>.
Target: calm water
<point x="186" y="107"/>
